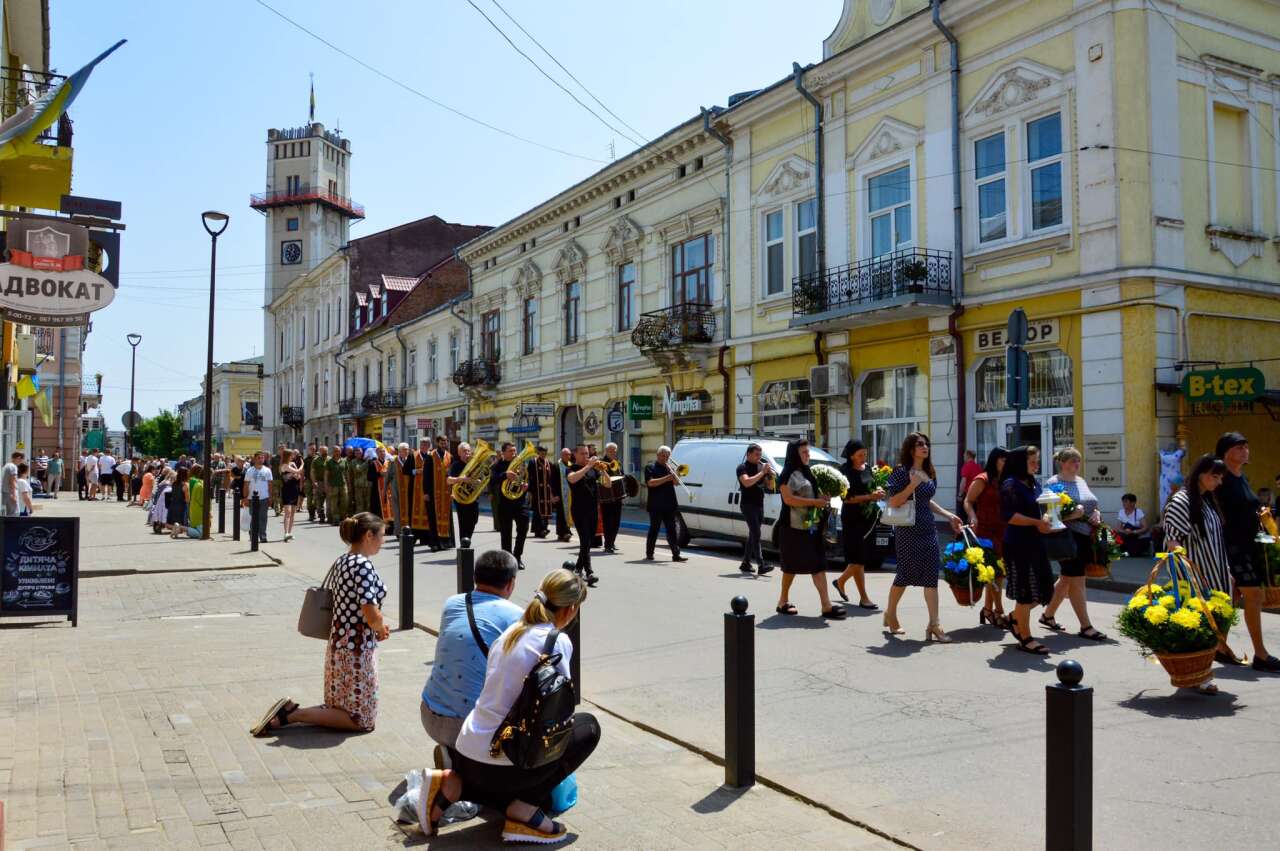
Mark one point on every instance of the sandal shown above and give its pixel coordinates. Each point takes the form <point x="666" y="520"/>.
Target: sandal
<point x="988" y="616"/>
<point x="1051" y="623"/>
<point x="835" y="613"/>
<point x="1092" y="634"/>
<point x="787" y="609"/>
<point x="279" y="711"/>
<point x="836" y="585"/>
<point x="531" y="831"/>
<point x="869" y="606"/>
<point x="432" y="796"/>
<point x="1026" y="646"/>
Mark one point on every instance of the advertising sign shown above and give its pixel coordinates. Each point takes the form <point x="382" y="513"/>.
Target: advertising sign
<point x="1038" y="332"/>
<point x="639" y="407"/>
<point x="615" y="419"/>
<point x="1104" y="459"/>
<point x="1243" y="384"/>
<point x="536" y="409"/>
<point x="44" y="281"/>
<point x="41" y="566"/>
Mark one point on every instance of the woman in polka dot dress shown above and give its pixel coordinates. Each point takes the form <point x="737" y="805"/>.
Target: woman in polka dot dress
<point x="350" y="666"/>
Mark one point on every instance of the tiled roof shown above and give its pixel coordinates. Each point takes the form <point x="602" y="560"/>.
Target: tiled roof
<point x="362" y="299"/>
<point x="398" y="283"/>
<point x="375" y="290"/>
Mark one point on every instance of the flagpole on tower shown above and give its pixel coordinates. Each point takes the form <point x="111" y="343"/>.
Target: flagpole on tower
<point x="313" y="99"/>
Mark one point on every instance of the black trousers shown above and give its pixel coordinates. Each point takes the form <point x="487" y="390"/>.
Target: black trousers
<point x="468" y="517"/>
<point x="754" y="515"/>
<point x="584" y="517"/>
<point x="120" y="482"/>
<point x="507" y="515"/>
<point x="498" y="785"/>
<point x="82" y="485"/>
<point x="538" y="522"/>
<point x="612" y="512"/>
<point x="562" y="522"/>
<point x="667" y="519"/>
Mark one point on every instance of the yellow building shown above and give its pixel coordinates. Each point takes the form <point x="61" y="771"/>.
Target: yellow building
<point x="237" y="407"/>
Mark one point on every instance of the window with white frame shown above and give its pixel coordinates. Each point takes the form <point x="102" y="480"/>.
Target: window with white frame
<point x="786" y="408"/>
<point x="391" y="373"/>
<point x="989" y="172"/>
<point x="315" y="389"/>
<point x="626" y="295"/>
<point x="889" y="211"/>
<point x="807" y="237"/>
<point x="529" y="325"/>
<point x="774" y="251"/>
<point x="572" y="312"/>
<point x="432" y="374"/>
<point x="1044" y="168"/>
<point x="325" y="396"/>
<point x="411" y="366"/>
<point x="894" y="403"/>
<point x="453" y="352"/>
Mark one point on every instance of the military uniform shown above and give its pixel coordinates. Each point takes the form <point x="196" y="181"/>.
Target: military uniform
<point x="319" y="474"/>
<point x="336" y="486"/>
<point x="359" y="473"/>
<point x="307" y="461"/>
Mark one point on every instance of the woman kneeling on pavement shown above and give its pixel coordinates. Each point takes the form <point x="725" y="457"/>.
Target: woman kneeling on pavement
<point x="477" y="775"/>
<point x="350" y="667"/>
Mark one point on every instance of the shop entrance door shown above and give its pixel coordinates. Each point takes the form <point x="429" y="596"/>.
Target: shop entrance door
<point x="570" y="428"/>
<point x="1050" y="432"/>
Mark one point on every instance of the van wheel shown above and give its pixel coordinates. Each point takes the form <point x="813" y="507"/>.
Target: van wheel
<point x="682" y="531"/>
<point x="775" y="538"/>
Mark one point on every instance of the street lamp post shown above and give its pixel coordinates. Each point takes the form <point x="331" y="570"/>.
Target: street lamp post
<point x="215" y="223"/>
<point x="134" y="340"/>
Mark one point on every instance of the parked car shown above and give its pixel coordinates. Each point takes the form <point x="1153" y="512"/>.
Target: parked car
<point x="711" y="496"/>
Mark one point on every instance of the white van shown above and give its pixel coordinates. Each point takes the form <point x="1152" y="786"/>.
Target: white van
<point x="711" y="496"/>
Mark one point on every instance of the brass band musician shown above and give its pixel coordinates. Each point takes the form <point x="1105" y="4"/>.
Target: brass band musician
<point x="612" y="492"/>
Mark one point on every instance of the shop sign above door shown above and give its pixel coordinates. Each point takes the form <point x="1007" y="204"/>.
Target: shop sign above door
<point x="1241" y="384"/>
<point x="1039" y="332"/>
<point x="639" y="407"/>
<point x="684" y="404"/>
<point x="536" y="409"/>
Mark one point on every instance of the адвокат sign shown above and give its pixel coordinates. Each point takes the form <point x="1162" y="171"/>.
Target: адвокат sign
<point x="44" y="281"/>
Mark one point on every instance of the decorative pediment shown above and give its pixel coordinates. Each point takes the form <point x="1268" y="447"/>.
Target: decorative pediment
<point x="571" y="262"/>
<point x="791" y="176"/>
<point x="1020" y="83"/>
<point x="888" y="137"/>
<point x="623" y="240"/>
<point x="528" y="279"/>
<point x="690" y="223"/>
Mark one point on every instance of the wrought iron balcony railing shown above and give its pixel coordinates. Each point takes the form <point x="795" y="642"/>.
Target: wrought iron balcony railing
<point x="674" y="327"/>
<point x="292" y="415"/>
<point x="480" y="372"/>
<point x="385" y="401"/>
<point x="252" y="420"/>
<point x="915" y="274"/>
<point x="305" y="194"/>
<point x="21" y="87"/>
<point x="347" y="407"/>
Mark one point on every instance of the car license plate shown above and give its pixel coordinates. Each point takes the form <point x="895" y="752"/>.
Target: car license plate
<point x="882" y="540"/>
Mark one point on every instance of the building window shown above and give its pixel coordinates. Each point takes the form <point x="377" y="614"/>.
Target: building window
<point x="432" y="374"/>
<point x="315" y="389"/>
<point x="302" y="332"/>
<point x="453" y="352"/>
<point x="1231" y="167"/>
<point x="895" y="402"/>
<point x="490" y="329"/>
<point x="572" y="318"/>
<point x="1050" y="385"/>
<point x="989" y="174"/>
<point x="325" y="397"/>
<point x="391" y="373"/>
<point x="786" y="408"/>
<point x="384" y="302"/>
<point x="691" y="271"/>
<point x="411" y="367"/>
<point x="293" y="184"/>
<point x="368" y="388"/>
<point x="1044" y="161"/>
<point x="318" y="337"/>
<point x="774" y="251"/>
<point x="626" y="291"/>
<point x="889" y="210"/>
<point x="529" y="325"/>
<point x="291" y="223"/>
<point x="807" y="237"/>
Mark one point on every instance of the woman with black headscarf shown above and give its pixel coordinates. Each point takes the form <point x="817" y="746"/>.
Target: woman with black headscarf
<point x="803" y="549"/>
<point x="856" y="524"/>
<point x="1030" y="578"/>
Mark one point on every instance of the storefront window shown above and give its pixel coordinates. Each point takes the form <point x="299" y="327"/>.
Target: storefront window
<point x="1049" y="420"/>
<point x="786" y="408"/>
<point x="895" y="402"/>
<point x="1050" y="382"/>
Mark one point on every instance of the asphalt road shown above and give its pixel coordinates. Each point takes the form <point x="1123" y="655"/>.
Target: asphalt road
<point x="941" y="746"/>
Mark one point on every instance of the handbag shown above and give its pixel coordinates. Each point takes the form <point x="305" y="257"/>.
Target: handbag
<point x="1060" y="546"/>
<point x="315" y="620"/>
<point x="903" y="515"/>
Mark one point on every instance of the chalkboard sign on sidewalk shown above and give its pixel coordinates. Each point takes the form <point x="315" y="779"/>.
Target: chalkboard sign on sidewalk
<point x="41" y="569"/>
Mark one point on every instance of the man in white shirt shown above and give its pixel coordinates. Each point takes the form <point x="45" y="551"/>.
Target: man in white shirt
<point x="42" y="468"/>
<point x="9" y="485"/>
<point x="257" y="480"/>
<point x="106" y="473"/>
<point x="124" y="470"/>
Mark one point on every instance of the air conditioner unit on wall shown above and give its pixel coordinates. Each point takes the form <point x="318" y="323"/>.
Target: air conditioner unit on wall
<point x="829" y="380"/>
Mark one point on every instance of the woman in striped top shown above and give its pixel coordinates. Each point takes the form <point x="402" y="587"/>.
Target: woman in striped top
<point x="1192" y="519"/>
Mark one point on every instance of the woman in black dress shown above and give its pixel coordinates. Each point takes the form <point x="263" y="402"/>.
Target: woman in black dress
<point x="856" y="525"/>
<point x="290" y="491"/>
<point x="803" y="550"/>
<point x="176" y="514"/>
<point x="1030" y="578"/>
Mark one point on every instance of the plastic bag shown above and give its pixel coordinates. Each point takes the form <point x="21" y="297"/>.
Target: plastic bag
<point x="407" y="804"/>
<point x="565" y="796"/>
<point x="246" y="519"/>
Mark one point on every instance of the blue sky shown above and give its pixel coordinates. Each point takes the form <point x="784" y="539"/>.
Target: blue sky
<point x="175" y="123"/>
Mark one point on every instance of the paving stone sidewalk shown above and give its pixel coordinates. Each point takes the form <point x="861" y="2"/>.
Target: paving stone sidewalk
<point x="131" y="730"/>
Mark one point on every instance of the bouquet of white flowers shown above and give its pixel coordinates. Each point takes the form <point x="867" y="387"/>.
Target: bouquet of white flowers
<point x="830" y="482"/>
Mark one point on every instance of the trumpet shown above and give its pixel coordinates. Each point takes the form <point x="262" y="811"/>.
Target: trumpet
<point x="515" y="488"/>
<point x="479" y="465"/>
<point x="770" y="481"/>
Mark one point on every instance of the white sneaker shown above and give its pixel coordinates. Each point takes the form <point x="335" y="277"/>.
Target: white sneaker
<point x="288" y="538"/>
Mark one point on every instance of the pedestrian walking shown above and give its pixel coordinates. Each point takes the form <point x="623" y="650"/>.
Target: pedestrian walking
<point x="541" y="492"/>
<point x="660" y="478"/>
<point x="42" y="468"/>
<point x="982" y="505"/>
<point x="9" y="485"/>
<point x="468" y="513"/>
<point x="560" y="493"/>
<point x="124" y="480"/>
<point x="25" y="506"/>
<point x="584" y="489"/>
<point x="257" y="480"/>
<point x="802" y="538"/>
<point x="350" y="661"/>
<point x="290" y="492"/>
<point x="509" y="511"/>
<point x="82" y="479"/>
<point x="857" y="524"/>
<point x="477" y="774"/>
<point x="106" y="473"/>
<point x="335" y="487"/>
<point x="914" y="482"/>
<point x="752" y="474"/>
<point x="92" y="473"/>
<point x="319" y="482"/>
<point x="1082" y="523"/>
<point x="56" y="468"/>
<point x="1030" y="578"/>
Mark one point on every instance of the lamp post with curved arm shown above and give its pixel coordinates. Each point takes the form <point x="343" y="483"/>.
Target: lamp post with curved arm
<point x="134" y="340"/>
<point x="215" y="223"/>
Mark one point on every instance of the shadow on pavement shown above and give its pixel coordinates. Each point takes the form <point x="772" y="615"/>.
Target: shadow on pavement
<point x="1013" y="659"/>
<point x="1185" y="704"/>
<point x="776" y="621"/>
<point x="896" y="647"/>
<point x="976" y="634"/>
<point x="738" y="574"/>
<point x="718" y="800"/>
<point x="309" y="738"/>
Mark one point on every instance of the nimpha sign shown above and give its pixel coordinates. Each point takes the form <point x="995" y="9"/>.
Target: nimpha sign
<point x="44" y="281"/>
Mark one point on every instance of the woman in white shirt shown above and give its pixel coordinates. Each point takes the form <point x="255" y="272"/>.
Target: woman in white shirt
<point x="476" y="775"/>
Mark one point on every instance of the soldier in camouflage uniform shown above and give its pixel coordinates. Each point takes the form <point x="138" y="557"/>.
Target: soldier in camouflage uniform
<point x="319" y="473"/>
<point x="336" y="485"/>
<point x="358" y="468"/>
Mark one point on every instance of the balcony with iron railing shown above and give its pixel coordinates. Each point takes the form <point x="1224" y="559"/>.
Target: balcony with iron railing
<point x="675" y="327"/>
<point x="305" y="194"/>
<point x="348" y="407"/>
<point x="477" y="374"/>
<point x="911" y="283"/>
<point x="292" y="415"/>
<point x="21" y="87"/>
<point x="391" y="400"/>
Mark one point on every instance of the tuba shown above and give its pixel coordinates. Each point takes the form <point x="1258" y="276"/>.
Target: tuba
<point x="515" y="488"/>
<point x="478" y="468"/>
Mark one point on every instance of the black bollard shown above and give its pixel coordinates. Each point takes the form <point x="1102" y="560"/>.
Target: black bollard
<point x="466" y="566"/>
<point x="739" y="696"/>
<point x="406" y="579"/>
<point x="1068" y="824"/>
<point x="254" y="532"/>
<point x="574" y="631"/>
<point x="222" y="510"/>
<point x="235" y="521"/>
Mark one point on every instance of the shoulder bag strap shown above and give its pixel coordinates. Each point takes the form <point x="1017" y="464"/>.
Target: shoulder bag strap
<point x="550" y="647"/>
<point x="475" y="630"/>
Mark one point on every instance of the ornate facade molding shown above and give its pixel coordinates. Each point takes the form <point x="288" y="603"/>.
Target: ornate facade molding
<point x="791" y="176"/>
<point x="528" y="279"/>
<point x="1019" y="83"/>
<point x="690" y="223"/>
<point x="1237" y="246"/>
<point x="623" y="240"/>
<point x="570" y="263"/>
<point x="886" y="138"/>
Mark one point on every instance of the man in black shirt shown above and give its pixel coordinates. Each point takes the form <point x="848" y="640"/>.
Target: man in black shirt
<point x="661" y="479"/>
<point x="508" y="511"/>
<point x="468" y="513"/>
<point x="583" y="478"/>
<point x="751" y="474"/>
<point x="1240" y="526"/>
<point x="559" y="493"/>
<point x="611" y="496"/>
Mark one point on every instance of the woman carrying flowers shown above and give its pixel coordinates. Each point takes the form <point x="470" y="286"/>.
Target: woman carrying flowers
<point x="801" y="541"/>
<point x="1081" y="522"/>
<point x="916" y="546"/>
<point x="1030" y="578"/>
<point x="858" y="516"/>
<point x="982" y="504"/>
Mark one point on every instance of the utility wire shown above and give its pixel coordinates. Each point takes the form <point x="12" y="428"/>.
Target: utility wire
<point x="543" y="72"/>
<point x="419" y="93"/>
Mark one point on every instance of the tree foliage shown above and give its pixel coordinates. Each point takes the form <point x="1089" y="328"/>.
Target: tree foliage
<point x="159" y="436"/>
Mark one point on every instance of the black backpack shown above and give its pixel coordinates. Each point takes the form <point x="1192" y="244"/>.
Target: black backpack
<point x="536" y="730"/>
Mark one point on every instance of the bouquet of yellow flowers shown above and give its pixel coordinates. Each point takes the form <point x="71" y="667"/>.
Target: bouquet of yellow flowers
<point x="879" y="481"/>
<point x="967" y="565"/>
<point x="1164" y="620"/>
<point x="1068" y="504"/>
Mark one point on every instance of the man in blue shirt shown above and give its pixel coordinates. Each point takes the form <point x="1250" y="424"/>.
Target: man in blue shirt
<point x="457" y="675"/>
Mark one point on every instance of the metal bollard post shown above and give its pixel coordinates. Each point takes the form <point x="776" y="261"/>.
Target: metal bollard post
<point x="574" y="631"/>
<point x="466" y="566"/>
<point x="235" y="520"/>
<point x="254" y="532"/>
<point x="406" y="579"/>
<point x="222" y="510"/>
<point x="739" y="695"/>
<point x="1068" y="824"/>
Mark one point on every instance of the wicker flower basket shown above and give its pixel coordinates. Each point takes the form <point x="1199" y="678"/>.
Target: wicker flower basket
<point x="1188" y="670"/>
<point x="964" y="596"/>
<point x="1097" y="571"/>
<point x="1271" y="597"/>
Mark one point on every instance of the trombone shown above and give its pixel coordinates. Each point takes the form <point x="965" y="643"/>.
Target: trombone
<point x="677" y="473"/>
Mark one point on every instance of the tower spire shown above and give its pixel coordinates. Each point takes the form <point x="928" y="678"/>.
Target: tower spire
<point x="312" y="119"/>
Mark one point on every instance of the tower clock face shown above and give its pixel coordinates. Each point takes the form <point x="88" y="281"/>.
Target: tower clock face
<point x="291" y="252"/>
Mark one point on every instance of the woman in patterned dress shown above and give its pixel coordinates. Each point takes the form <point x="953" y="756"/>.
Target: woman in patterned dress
<point x="916" y="546"/>
<point x="1030" y="578"/>
<point x="350" y="666"/>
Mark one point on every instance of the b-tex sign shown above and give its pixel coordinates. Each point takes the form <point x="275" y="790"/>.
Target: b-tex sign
<point x="1223" y="385"/>
<point x="44" y="281"/>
